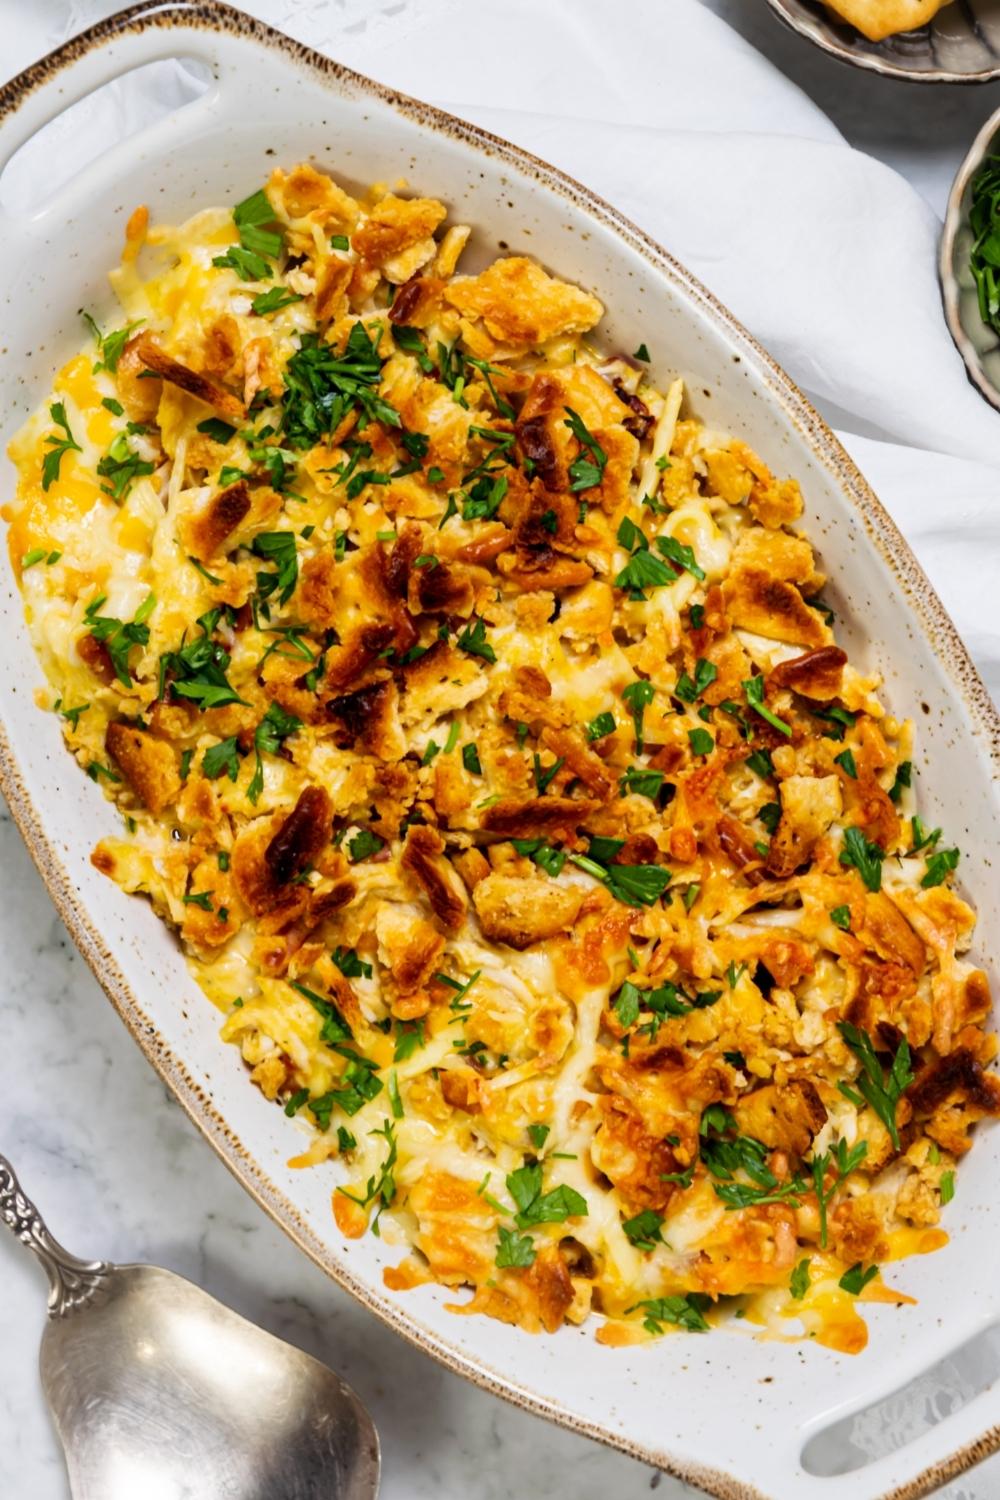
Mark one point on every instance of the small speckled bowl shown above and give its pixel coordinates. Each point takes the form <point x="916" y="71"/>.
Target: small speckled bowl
<point x="960" y="45"/>
<point x="978" y="344"/>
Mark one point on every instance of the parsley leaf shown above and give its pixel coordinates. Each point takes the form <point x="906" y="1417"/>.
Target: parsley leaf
<point x="939" y="866"/>
<point x="856" y="1279"/>
<point x="864" y="856"/>
<point x="275" y="727"/>
<point x="221" y="759"/>
<point x="122" y="466"/>
<point x="59" y="446"/>
<point x="473" y="641"/>
<point x="279" y="548"/>
<point x="798" y="1284"/>
<point x="685" y="1312"/>
<point x="118" y="637"/>
<point x="644" y="1229"/>
<point x="689" y="688"/>
<point x="536" y="1207"/>
<point x="584" y="472"/>
<point x="514" y="1249"/>
<point x="603" y="725"/>
<point x="880" y="1091"/>
<point x="363" y="844"/>
<point x="273" y="300"/>
<point x="754" y="689"/>
<point x="638" y="696"/>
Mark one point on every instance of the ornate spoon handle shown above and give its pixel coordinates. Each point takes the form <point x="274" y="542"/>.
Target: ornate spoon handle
<point x="72" y="1281"/>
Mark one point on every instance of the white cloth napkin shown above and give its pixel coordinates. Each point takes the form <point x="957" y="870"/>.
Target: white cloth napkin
<point x="826" y="255"/>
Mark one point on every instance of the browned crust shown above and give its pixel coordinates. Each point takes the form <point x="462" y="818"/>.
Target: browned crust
<point x="201" y="386"/>
<point x="815" y="674"/>
<point x="149" y="765"/>
<point x="301" y="837"/>
<point x="423" y="858"/>
<point x="529" y="817"/>
<point x="206" y="531"/>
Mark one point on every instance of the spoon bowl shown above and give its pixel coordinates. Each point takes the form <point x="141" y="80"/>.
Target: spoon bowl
<point x="159" y="1390"/>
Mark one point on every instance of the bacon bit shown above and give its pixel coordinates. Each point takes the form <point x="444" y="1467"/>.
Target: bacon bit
<point x="641" y="420"/>
<point x="395" y="564"/>
<point x="301" y="837"/>
<point x="206" y="531"/>
<point x="407" y="300"/>
<point x="536" y="444"/>
<point x="423" y="858"/>
<point x="149" y="765"/>
<point x="200" y="386"/>
<point x="815" y="674"/>
<point x="97" y="657"/>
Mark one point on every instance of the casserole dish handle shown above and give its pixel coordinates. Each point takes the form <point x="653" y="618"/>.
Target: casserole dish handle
<point x="150" y="32"/>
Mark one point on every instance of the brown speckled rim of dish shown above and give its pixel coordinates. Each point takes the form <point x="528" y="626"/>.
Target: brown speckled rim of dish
<point x="828" y="452"/>
<point x="954" y="218"/>
<point x="823" y="35"/>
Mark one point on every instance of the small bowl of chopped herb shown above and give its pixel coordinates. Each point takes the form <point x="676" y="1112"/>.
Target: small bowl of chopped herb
<point x="970" y="261"/>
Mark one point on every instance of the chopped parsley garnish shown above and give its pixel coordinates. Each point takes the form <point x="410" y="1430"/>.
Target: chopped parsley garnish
<point x="473" y="642"/>
<point x="633" y="885"/>
<point x="760" y="762"/>
<point x="363" y="844"/>
<point x="839" y="720"/>
<point x="250" y="258"/>
<point x="947" y="1187"/>
<point x="538" y="1135"/>
<point x="274" y="728"/>
<point x="904" y="778"/>
<point x="295" y="1102"/>
<point x="513" y="1249"/>
<point x="536" y="1207"/>
<point x="484" y="498"/>
<point x="638" y="696"/>
<point x="118" y="637"/>
<point x="58" y="446"/>
<point x="857" y="1278"/>
<point x="644" y="1229"/>
<point x="921" y="838"/>
<point x="219" y="431"/>
<point x="412" y="341"/>
<point x="684" y="1312"/>
<point x="702" y="743"/>
<point x="122" y="466"/>
<point x="642" y="782"/>
<point x="644" y="571"/>
<point x="881" y="1091"/>
<point x="545" y="776"/>
<point x="843" y="1159"/>
<point x="322" y="387"/>
<point x="350" y="965"/>
<point x="864" y="856"/>
<point x="798" y="1283"/>
<point x="840" y="916"/>
<point x="680" y="554"/>
<point x="221" y="760"/>
<point x="197" y="670"/>
<point x="471" y="761"/>
<point x="339" y="242"/>
<point x="939" y="866"/>
<point x="754" y="689"/>
<point x="642" y="353"/>
<point x="382" y="1186"/>
<point x="110" y="346"/>
<point x="335" y="1028"/>
<point x="603" y="725"/>
<point x="689" y="688"/>
<point x="277" y="547"/>
<point x="273" y="300"/>
<point x="202" y="899"/>
<point x="547" y="858"/>
<point x="846" y="762"/>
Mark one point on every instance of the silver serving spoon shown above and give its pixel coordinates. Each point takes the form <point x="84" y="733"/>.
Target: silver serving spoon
<point x="160" y="1392"/>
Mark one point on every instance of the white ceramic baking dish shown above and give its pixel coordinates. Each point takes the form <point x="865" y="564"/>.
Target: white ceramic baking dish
<point x="737" y="1416"/>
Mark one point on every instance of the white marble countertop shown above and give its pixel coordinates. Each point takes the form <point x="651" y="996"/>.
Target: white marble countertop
<point x="117" y="1166"/>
